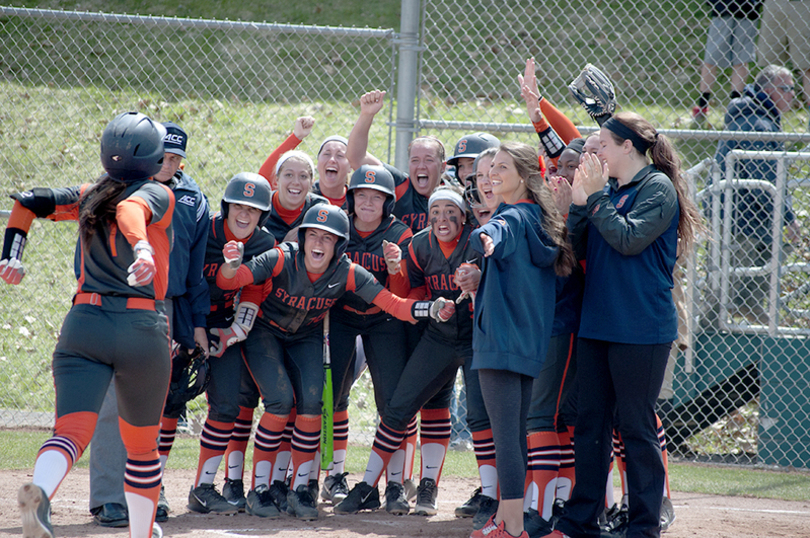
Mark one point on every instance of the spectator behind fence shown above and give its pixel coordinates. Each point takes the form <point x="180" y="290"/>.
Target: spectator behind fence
<point x="785" y="35"/>
<point x="729" y="43"/>
<point x="759" y="109"/>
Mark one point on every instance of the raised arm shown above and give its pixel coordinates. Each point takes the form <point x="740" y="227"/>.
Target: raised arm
<point x="357" y="152"/>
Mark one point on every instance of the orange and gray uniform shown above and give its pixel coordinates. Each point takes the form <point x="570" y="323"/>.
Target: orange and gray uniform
<point x="112" y="328"/>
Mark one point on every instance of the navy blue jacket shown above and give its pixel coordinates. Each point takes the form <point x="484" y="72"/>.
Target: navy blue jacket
<point x="630" y="236"/>
<point x="514" y="306"/>
<point x="190" y="223"/>
<point x="754" y="111"/>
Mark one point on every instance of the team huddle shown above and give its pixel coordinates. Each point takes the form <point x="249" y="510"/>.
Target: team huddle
<point x="476" y="261"/>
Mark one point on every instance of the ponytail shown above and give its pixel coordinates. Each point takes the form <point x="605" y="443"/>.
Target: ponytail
<point x="98" y="205"/>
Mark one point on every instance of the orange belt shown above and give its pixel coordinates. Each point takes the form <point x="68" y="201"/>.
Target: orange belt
<point x="133" y="303"/>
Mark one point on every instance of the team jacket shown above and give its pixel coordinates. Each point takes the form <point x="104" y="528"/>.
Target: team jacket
<point x="190" y="225"/>
<point x="279" y="227"/>
<point x="630" y="236"/>
<point x="428" y="267"/>
<point x="514" y="306"/>
<point x="221" y="313"/>
<point x="367" y="252"/>
<point x="102" y="264"/>
<point x="290" y="302"/>
<point x="411" y="207"/>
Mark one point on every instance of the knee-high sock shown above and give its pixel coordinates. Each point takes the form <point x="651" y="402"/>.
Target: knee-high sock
<point x="566" y="476"/>
<point x="141" y="477"/>
<point x="213" y="442"/>
<point x="282" y="467"/>
<point x="406" y="454"/>
<point x="386" y="442"/>
<point x="610" y="498"/>
<point x="341" y="442"/>
<point x="237" y="446"/>
<point x="72" y="434"/>
<point x="484" y="448"/>
<point x="168" y="430"/>
<point x="544" y="465"/>
<point x="265" y="447"/>
<point x="435" y="430"/>
<point x="621" y="459"/>
<point x="662" y="439"/>
<point x="305" y="442"/>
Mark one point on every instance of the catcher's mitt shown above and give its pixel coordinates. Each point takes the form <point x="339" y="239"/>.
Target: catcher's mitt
<point x="594" y="91"/>
<point x="190" y="377"/>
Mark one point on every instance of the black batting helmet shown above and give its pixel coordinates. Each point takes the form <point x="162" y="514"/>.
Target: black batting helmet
<point x="248" y="189"/>
<point x="330" y="218"/>
<point x="132" y="147"/>
<point x="190" y="377"/>
<point x="470" y="146"/>
<point x="377" y="178"/>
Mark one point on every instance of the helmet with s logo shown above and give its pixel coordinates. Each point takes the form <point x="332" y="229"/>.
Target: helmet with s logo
<point x="330" y="218"/>
<point x="372" y="177"/>
<point x="247" y="188"/>
<point x="470" y="146"/>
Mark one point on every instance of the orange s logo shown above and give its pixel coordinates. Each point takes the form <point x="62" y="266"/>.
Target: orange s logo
<point x="371" y="176"/>
<point x="250" y="188"/>
<point x="322" y="215"/>
<point x="462" y="145"/>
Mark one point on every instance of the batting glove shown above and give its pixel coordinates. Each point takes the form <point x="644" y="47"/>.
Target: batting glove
<point x="225" y="338"/>
<point x="393" y="255"/>
<point x="142" y="270"/>
<point x="12" y="271"/>
<point x="441" y="309"/>
<point x="233" y="252"/>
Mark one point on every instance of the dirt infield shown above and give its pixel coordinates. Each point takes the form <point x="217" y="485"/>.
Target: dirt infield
<point x="698" y="515"/>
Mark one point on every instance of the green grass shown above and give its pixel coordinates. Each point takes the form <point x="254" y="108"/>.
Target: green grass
<point x="19" y="447"/>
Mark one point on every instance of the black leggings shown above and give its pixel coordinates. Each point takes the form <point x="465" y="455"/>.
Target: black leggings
<point x="499" y="388"/>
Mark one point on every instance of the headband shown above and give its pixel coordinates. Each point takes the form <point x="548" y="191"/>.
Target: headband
<point x="448" y="195"/>
<point x="334" y="138"/>
<point x="295" y="153"/>
<point x="627" y="133"/>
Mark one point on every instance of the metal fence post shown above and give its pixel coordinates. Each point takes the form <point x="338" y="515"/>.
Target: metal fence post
<point x="407" y="80"/>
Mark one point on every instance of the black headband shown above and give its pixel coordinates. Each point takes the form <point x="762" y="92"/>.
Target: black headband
<point x="627" y="133"/>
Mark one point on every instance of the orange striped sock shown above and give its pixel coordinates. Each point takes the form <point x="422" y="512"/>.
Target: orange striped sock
<point x="305" y="442"/>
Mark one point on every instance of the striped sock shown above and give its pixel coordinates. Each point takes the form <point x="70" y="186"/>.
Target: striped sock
<point x="213" y="442"/>
<point x="305" y="442"/>
<point x="566" y="477"/>
<point x="265" y="448"/>
<point x="435" y="430"/>
<point x="340" y="442"/>
<point x="168" y="431"/>
<point x="544" y="465"/>
<point x="386" y="442"/>
<point x="237" y="446"/>
<point x="282" y="467"/>
<point x="410" y="449"/>
<point x="484" y="448"/>
<point x="142" y="475"/>
<point x="662" y="439"/>
<point x="621" y="459"/>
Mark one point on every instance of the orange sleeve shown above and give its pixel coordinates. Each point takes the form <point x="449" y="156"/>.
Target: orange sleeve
<point x="255" y="293"/>
<point x="243" y="278"/>
<point x="132" y="215"/>
<point x="396" y="306"/>
<point x="420" y="293"/>
<point x="559" y="122"/>
<point x="399" y="284"/>
<point x="268" y="169"/>
<point x="21" y="217"/>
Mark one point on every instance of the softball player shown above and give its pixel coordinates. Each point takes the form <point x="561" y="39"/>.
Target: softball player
<point x="333" y="170"/>
<point x="370" y="198"/>
<point x="290" y="201"/>
<point x="466" y="150"/>
<point x="301" y="129"/>
<point x="425" y="164"/>
<point x="434" y="256"/>
<point x="245" y="207"/>
<point x="116" y="325"/>
<point x="293" y="287"/>
<point x="630" y="226"/>
<point x="525" y="247"/>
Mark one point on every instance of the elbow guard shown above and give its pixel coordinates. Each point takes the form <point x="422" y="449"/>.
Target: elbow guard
<point x="40" y="201"/>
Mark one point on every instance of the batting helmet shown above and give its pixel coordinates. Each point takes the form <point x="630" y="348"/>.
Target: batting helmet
<point x="377" y="178"/>
<point x="248" y="189"/>
<point x="190" y="377"/>
<point x="330" y="218"/>
<point x="132" y="147"/>
<point x="471" y="145"/>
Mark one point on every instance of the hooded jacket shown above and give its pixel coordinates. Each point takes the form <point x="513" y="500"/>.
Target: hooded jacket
<point x="514" y="306"/>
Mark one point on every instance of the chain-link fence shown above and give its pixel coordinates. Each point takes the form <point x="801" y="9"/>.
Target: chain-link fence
<point x="739" y="376"/>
